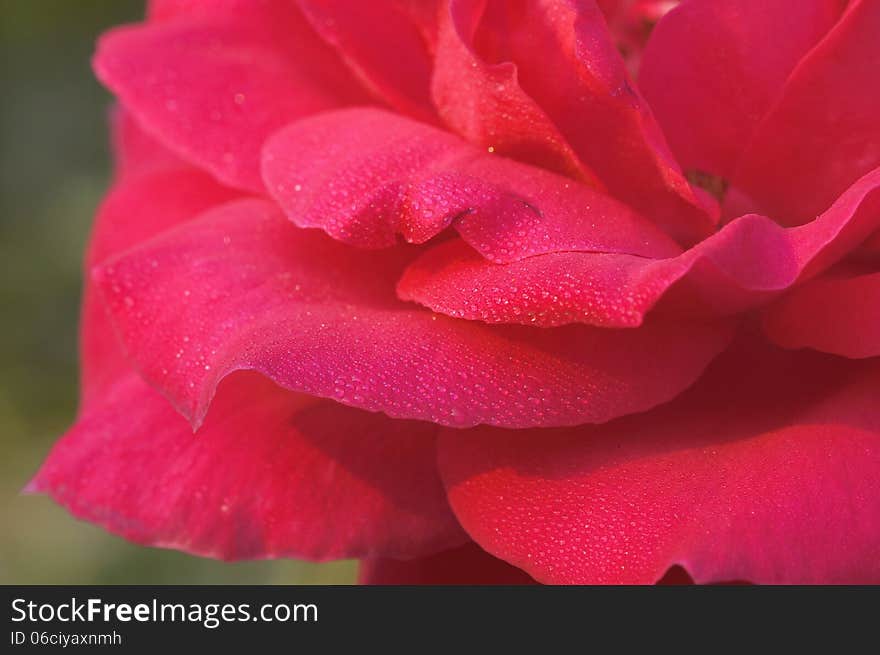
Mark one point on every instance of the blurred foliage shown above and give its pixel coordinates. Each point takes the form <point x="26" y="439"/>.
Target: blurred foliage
<point x="54" y="166"/>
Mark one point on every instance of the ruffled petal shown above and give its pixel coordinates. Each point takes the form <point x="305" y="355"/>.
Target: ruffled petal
<point x="543" y="82"/>
<point x="270" y="474"/>
<point x="822" y="133"/>
<point x="837" y="313"/>
<point x="466" y="565"/>
<point x="241" y="288"/>
<point x="212" y="81"/>
<point x="768" y="471"/>
<point x="712" y="69"/>
<point x="749" y="262"/>
<point x="365" y="176"/>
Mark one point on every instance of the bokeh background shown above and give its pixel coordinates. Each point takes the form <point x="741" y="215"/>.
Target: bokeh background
<point x="54" y="167"/>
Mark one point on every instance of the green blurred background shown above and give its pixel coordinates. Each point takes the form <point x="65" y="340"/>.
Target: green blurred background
<point x="54" y="167"/>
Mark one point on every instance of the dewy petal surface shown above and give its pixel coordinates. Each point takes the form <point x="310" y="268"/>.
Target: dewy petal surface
<point x="152" y="191"/>
<point x="366" y="176"/>
<point x="518" y="75"/>
<point x="749" y="262"/>
<point x="767" y="470"/>
<point x="384" y="46"/>
<point x="270" y="474"/>
<point x="241" y="288"/>
<point x="213" y="81"/>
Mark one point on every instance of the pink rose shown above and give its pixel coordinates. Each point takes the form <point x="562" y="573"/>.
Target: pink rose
<point x="425" y="284"/>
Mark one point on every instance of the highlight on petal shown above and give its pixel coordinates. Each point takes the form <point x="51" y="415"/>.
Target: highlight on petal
<point x="822" y="134"/>
<point x="748" y="263"/>
<point x="767" y="470"/>
<point x="241" y="288"/>
<point x="365" y="176"/>
<point x="465" y="565"/>
<point x="713" y="68"/>
<point x="837" y="313"/>
<point x="212" y="85"/>
<point x="270" y="474"/>
<point x="536" y="80"/>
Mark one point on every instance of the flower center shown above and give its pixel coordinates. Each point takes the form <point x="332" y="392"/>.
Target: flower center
<point x="713" y="184"/>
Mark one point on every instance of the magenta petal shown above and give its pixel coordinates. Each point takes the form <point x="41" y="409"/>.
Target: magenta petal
<point x="241" y="288"/>
<point x="713" y="68"/>
<point x="365" y="176"/>
<point x="602" y="289"/>
<point x="270" y="474"/>
<point x="465" y="565"/>
<point x="822" y="133"/>
<point x="768" y="471"/>
<point x="384" y="47"/>
<point x="749" y="262"/>
<point x="540" y="80"/>
<point x="485" y="102"/>
<point x="134" y="151"/>
<point x="214" y="84"/>
<point x="838" y="313"/>
<point x="153" y="192"/>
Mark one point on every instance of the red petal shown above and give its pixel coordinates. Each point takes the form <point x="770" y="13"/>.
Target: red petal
<point x="135" y="151"/>
<point x="465" y="565"/>
<point x="383" y="46"/>
<point x="484" y="101"/>
<point x="871" y="247"/>
<point x="270" y="474"/>
<point x="561" y="86"/>
<point x="241" y="288"/>
<point x="750" y="261"/>
<point x="823" y="132"/>
<point x="365" y="175"/>
<point x="214" y="84"/>
<point x="153" y="192"/>
<point x="838" y="313"/>
<point x="712" y="70"/>
<point x="631" y="23"/>
<point x="768" y="470"/>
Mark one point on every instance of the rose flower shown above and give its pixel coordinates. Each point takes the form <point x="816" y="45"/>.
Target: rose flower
<point x="490" y="290"/>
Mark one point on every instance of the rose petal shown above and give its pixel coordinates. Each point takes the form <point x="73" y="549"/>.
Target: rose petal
<point x="241" y="288"/>
<point x="606" y="290"/>
<point x="712" y="70"/>
<point x="823" y="132"/>
<point x="838" y="313"/>
<point x="214" y="84"/>
<point x="559" y="95"/>
<point x="631" y="23"/>
<point x="749" y="262"/>
<point x="768" y="470"/>
<point x="365" y="176"/>
<point x="136" y="152"/>
<point x="485" y="103"/>
<point x="153" y="192"/>
<point x="465" y="565"/>
<point x="270" y="474"/>
<point x="383" y="46"/>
